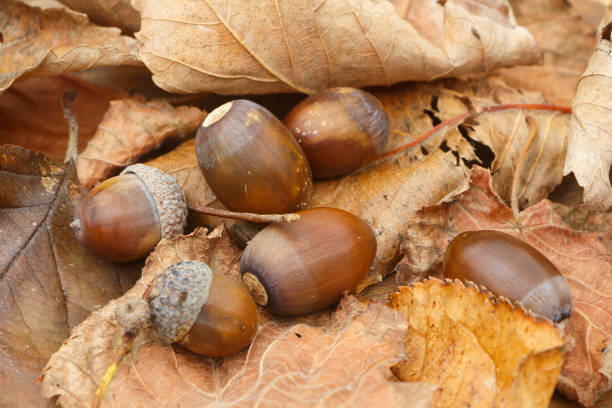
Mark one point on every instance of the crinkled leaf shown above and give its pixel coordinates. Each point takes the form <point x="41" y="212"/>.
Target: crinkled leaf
<point x="589" y="154"/>
<point x="584" y="257"/>
<point x="48" y="282"/>
<point x="115" y="13"/>
<point x="54" y="41"/>
<point x="481" y="351"/>
<point x="131" y="128"/>
<point x="242" y="47"/>
<point x="319" y="361"/>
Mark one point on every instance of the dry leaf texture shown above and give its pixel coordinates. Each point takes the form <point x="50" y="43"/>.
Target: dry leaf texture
<point x="131" y="128"/>
<point x="245" y="47"/>
<point x="114" y="13"/>
<point x="589" y="154"/>
<point x="584" y="257"/>
<point x="55" y="41"/>
<point x="32" y="117"/>
<point x="480" y="350"/>
<point x="48" y="283"/>
<point x="321" y="361"/>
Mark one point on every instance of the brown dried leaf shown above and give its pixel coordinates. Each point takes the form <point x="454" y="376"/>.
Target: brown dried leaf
<point x="481" y="351"/>
<point x="129" y="129"/>
<point x="54" y="41"/>
<point x="32" y="117"/>
<point x="566" y="39"/>
<point x="48" y="282"/>
<point x="584" y="257"/>
<point x="242" y="47"/>
<point x="589" y="154"/>
<point x="116" y="13"/>
<point x="315" y="362"/>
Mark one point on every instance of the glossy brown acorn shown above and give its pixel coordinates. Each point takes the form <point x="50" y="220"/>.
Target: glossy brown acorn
<point x="124" y="217"/>
<point x="339" y="129"/>
<point x="293" y="268"/>
<point x="251" y="161"/>
<point x="207" y="313"/>
<point x="509" y="267"/>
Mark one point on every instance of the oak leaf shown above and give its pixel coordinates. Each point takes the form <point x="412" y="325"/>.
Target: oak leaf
<point x="48" y="282"/>
<point x="589" y="154"/>
<point x="320" y="360"/>
<point x="480" y="350"/>
<point x="130" y="128"/>
<point x="582" y="256"/>
<point x="54" y="41"/>
<point x="243" y="47"/>
<point x="114" y="13"/>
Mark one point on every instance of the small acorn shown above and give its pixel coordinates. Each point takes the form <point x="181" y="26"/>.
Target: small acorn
<point x="339" y="129"/>
<point x="293" y="268"/>
<point x="205" y="312"/>
<point x="123" y="218"/>
<point x="251" y="161"/>
<point x="509" y="267"/>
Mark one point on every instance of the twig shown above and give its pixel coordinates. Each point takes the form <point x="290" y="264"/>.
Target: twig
<point x="125" y="345"/>
<point x="260" y="218"/>
<point x="73" y="133"/>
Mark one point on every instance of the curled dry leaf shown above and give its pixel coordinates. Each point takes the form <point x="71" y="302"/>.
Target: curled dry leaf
<point x="241" y="47"/>
<point x="582" y="256"/>
<point x="32" y="117"/>
<point x="566" y="40"/>
<point x="129" y="129"/>
<point x="48" y="282"/>
<point x="320" y="361"/>
<point x="54" y="41"/>
<point x="480" y="350"/>
<point x="589" y="154"/>
<point x="115" y="13"/>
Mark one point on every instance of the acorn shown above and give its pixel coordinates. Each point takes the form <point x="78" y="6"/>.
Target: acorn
<point x="509" y="267"/>
<point x="203" y="311"/>
<point x="123" y="218"/>
<point x="339" y="129"/>
<point x="293" y="268"/>
<point x="251" y="161"/>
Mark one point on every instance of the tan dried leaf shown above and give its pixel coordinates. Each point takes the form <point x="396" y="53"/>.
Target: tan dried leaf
<point x="48" y="282"/>
<point x="319" y="361"/>
<point x="242" y="47"/>
<point x="480" y="350"/>
<point x="589" y="154"/>
<point x="566" y="39"/>
<point x="32" y="117"/>
<point x="115" y="13"/>
<point x="54" y="41"/>
<point x="129" y="129"/>
<point x="584" y="257"/>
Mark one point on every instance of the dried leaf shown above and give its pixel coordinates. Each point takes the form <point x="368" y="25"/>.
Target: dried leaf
<point x="116" y="13"/>
<point x="481" y="351"/>
<point x="566" y="41"/>
<point x="48" y="282"/>
<point x="54" y="41"/>
<point x="129" y="129"/>
<point x="32" y="117"/>
<point x="589" y="154"/>
<point x="584" y="257"/>
<point x="325" y="362"/>
<point x="249" y="48"/>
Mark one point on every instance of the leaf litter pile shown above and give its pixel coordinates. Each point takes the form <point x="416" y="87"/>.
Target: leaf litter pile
<point x="500" y="118"/>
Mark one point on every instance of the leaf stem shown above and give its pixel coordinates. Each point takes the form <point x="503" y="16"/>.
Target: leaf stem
<point x="260" y="218"/>
<point x="125" y="345"/>
<point x="470" y="114"/>
<point x="73" y="126"/>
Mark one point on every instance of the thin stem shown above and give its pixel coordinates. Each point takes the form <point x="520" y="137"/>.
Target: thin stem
<point x="470" y="114"/>
<point x="260" y="218"/>
<point x="125" y="345"/>
<point x="73" y="132"/>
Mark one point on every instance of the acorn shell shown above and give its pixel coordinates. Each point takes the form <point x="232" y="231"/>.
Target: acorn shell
<point x="293" y="268"/>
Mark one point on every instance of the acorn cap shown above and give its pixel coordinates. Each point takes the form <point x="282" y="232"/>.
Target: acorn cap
<point x="169" y="198"/>
<point x="176" y="298"/>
